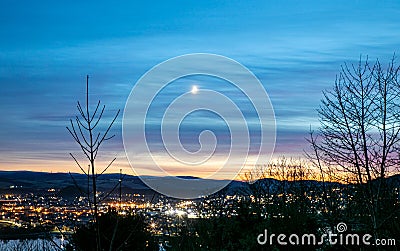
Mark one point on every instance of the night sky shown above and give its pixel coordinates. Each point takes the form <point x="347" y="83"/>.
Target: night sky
<point x="294" y="47"/>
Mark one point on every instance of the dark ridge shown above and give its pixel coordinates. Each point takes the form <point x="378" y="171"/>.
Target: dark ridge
<point x="188" y="177"/>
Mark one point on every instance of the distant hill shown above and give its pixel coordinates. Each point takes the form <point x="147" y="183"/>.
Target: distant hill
<point x="62" y="181"/>
<point x="64" y="184"/>
<point x="70" y="192"/>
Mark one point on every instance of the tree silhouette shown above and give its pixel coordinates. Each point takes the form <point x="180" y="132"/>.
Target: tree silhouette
<point x="83" y="130"/>
<point x="126" y="232"/>
<point x="358" y="140"/>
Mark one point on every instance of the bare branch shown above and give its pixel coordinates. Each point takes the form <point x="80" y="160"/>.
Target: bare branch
<point x="108" y="129"/>
<point x="105" y="169"/>
<point x="100" y="116"/>
<point x="81" y="111"/>
<point x="76" y="161"/>
<point x="95" y="111"/>
<point x="78" y="122"/>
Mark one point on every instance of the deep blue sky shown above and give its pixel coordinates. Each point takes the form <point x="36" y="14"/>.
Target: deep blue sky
<point x="294" y="47"/>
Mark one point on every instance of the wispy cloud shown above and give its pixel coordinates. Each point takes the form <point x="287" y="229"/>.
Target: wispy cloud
<point x="294" y="48"/>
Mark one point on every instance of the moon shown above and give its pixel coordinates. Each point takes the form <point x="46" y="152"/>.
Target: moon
<point x="194" y="90"/>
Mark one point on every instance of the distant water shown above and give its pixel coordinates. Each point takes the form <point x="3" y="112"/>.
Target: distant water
<point x="34" y="245"/>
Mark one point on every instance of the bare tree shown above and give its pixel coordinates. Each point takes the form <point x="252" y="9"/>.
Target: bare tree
<point x="358" y="139"/>
<point x="282" y="184"/>
<point x="84" y="130"/>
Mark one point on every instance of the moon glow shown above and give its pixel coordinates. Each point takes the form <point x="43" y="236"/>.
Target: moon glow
<point x="194" y="90"/>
